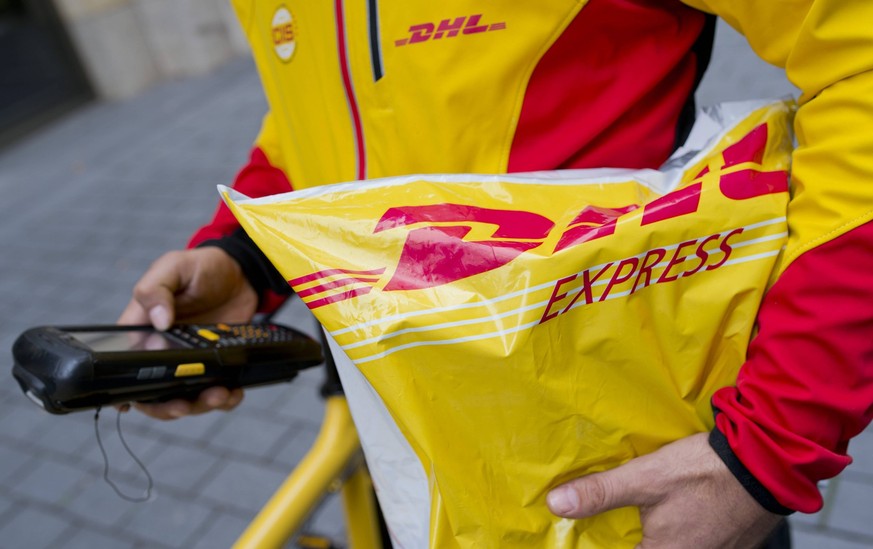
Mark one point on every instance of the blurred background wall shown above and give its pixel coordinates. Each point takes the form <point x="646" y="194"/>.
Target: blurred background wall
<point x="57" y="54"/>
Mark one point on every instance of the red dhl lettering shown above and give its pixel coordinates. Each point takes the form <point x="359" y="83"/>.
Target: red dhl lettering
<point x="591" y="223"/>
<point x="568" y="290"/>
<point x="441" y="248"/>
<point x="423" y="261"/>
<point x="447" y="28"/>
<point x="282" y="34"/>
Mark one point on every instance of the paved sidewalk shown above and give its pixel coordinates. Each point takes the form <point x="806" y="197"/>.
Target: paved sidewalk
<point x="87" y="204"/>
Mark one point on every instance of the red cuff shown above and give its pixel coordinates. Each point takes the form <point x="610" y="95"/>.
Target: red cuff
<point x="807" y="386"/>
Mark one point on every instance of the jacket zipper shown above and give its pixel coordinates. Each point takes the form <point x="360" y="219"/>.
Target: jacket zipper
<point x="375" y="44"/>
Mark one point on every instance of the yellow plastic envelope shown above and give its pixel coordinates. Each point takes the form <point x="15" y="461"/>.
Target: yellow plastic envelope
<point x="500" y="334"/>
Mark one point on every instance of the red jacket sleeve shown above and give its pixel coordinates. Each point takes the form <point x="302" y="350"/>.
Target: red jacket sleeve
<point x="807" y="385"/>
<point x="256" y="179"/>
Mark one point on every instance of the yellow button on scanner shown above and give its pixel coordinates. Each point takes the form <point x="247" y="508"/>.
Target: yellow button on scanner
<point x="208" y="334"/>
<point x="191" y="369"/>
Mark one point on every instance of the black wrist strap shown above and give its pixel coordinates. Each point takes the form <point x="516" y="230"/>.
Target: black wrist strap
<point x="257" y="269"/>
<point x="753" y="486"/>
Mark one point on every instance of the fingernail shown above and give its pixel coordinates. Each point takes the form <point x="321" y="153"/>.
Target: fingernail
<point x="562" y="500"/>
<point x="160" y="317"/>
<point x="214" y="400"/>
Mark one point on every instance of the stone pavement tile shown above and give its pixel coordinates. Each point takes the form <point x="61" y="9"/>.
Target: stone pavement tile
<point x="262" y="400"/>
<point x="166" y="520"/>
<point x="243" y="487"/>
<point x="68" y="433"/>
<point x="95" y="503"/>
<point x="92" y="539"/>
<point x="7" y="507"/>
<point x="249" y="434"/>
<point x="825" y="539"/>
<point x="852" y="507"/>
<point x="33" y="528"/>
<point x="121" y="464"/>
<point x="312" y="378"/>
<point x="14" y="460"/>
<point x="222" y="531"/>
<point x="301" y="403"/>
<point x="10" y="393"/>
<point x="861" y="450"/>
<point x="182" y="468"/>
<point x="48" y="482"/>
<point x="22" y="420"/>
<point x="295" y="446"/>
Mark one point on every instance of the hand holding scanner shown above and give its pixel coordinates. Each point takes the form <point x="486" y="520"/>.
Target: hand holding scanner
<point x="69" y="368"/>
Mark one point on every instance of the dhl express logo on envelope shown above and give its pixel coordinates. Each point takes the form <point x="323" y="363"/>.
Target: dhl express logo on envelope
<point x="524" y="329"/>
<point x="432" y="243"/>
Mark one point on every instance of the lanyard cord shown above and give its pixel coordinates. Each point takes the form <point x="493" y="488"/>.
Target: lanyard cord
<point x="148" y="491"/>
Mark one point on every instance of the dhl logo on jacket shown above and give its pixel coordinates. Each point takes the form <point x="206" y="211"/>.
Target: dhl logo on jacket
<point x="362" y="90"/>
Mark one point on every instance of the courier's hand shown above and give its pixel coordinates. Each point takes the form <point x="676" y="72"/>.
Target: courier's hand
<point x="686" y="495"/>
<point x="199" y="285"/>
<point x="213" y="398"/>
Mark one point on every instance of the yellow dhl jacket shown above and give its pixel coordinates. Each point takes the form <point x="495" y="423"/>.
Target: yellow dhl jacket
<point x="373" y="89"/>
